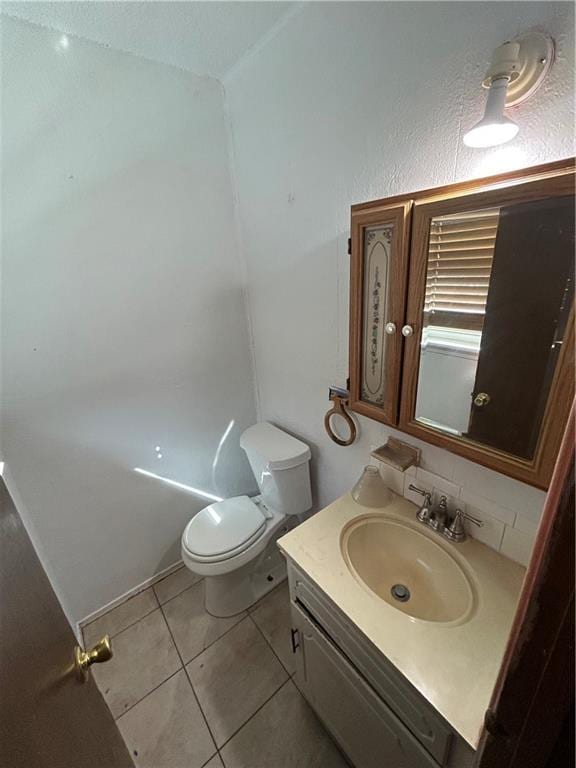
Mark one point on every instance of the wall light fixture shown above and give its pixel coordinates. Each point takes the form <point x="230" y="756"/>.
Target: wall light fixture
<point x="517" y="70"/>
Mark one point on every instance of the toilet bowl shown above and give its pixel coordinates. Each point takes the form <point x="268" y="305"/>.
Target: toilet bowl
<point x="232" y="543"/>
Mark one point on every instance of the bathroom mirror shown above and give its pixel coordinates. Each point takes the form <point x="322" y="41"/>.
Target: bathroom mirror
<point x="488" y="370"/>
<point x="499" y="289"/>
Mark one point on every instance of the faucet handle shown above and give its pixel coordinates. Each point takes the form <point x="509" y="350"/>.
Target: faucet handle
<point x="455" y="531"/>
<point x="418" y="490"/>
<point x="472" y="519"/>
<point x="423" y="514"/>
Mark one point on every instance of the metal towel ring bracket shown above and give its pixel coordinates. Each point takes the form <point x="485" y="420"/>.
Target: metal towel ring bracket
<point x="339" y="398"/>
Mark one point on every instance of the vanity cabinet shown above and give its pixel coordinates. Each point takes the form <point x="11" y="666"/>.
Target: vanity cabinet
<point x="370" y="709"/>
<point x="462" y="316"/>
<point x="365" y="727"/>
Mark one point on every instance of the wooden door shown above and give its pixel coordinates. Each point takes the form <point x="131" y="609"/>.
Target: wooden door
<point x="48" y="717"/>
<point x="530" y="721"/>
<point x="529" y="302"/>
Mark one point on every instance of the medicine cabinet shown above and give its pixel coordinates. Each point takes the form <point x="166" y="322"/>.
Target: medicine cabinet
<point x="462" y="316"/>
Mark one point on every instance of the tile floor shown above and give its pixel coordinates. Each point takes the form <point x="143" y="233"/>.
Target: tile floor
<point x="192" y="691"/>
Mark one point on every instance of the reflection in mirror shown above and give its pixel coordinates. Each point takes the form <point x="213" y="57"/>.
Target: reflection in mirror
<point x="377" y="254"/>
<point x="499" y="290"/>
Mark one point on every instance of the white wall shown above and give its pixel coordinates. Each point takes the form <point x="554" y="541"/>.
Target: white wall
<point x="123" y="323"/>
<point x="123" y="318"/>
<point x="350" y="102"/>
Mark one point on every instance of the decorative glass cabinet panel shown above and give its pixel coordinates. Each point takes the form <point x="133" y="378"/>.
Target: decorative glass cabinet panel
<point x="376" y="254"/>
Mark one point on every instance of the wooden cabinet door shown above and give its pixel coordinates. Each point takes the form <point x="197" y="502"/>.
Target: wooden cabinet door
<point x="379" y="267"/>
<point x="48" y="717"/>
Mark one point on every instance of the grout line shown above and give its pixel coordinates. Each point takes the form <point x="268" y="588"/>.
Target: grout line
<point x="190" y="682"/>
<point x="247" y="615"/>
<point x="229" y="739"/>
<point x="173" y="597"/>
<point x="201" y="708"/>
<point x="116" y="634"/>
<point x="260" y="602"/>
<point x="181" y="593"/>
<point x="210" y="759"/>
<point x="146" y="694"/>
<point x="263" y="703"/>
<point x="270" y="645"/>
<point x="218" y="638"/>
<point x="498" y="548"/>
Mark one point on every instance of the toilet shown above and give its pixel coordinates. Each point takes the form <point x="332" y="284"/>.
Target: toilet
<point x="232" y="543"/>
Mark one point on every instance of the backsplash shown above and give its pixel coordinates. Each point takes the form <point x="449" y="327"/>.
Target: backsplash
<point x="510" y="510"/>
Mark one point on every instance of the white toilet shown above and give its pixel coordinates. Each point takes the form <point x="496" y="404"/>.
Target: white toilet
<point x="232" y="543"/>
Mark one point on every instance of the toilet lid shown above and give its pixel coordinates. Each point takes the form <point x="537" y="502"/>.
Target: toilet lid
<point x="223" y="527"/>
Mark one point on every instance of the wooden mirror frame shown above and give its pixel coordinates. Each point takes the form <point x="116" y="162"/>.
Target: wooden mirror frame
<point x="549" y="180"/>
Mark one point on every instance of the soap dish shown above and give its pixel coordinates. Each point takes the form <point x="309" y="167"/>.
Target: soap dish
<point x="397" y="454"/>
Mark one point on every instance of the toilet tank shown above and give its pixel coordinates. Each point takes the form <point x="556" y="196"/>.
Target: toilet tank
<point x="280" y="464"/>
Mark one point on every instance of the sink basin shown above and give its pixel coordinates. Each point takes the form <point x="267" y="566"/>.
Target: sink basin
<point x="408" y="569"/>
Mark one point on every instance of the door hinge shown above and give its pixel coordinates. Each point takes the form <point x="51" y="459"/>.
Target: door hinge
<point x="295" y="639"/>
<point x="349" y="246"/>
<point x="494" y="726"/>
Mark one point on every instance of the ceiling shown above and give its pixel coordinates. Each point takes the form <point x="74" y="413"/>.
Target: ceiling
<point x="208" y="38"/>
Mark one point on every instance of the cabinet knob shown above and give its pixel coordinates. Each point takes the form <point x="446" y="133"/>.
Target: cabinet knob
<point x="390" y="328"/>
<point x="407" y="330"/>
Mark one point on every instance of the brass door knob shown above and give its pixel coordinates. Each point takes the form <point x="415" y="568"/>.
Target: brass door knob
<point x="481" y="399"/>
<point x="101" y="652"/>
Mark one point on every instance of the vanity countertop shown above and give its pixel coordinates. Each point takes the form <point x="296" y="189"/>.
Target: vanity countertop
<point x="453" y="666"/>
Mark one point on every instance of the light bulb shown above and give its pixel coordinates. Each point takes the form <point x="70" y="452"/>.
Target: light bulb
<point x="494" y="128"/>
<point x="490" y="134"/>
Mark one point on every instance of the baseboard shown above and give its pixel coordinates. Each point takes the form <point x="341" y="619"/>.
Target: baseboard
<point x="130" y="593"/>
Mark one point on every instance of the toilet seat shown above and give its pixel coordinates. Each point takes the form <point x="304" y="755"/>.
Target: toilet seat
<point x="224" y="529"/>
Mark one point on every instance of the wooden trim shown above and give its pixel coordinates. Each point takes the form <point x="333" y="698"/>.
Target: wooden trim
<point x="538" y="470"/>
<point x="462" y="187"/>
<point x="535" y="685"/>
<point x="399" y="216"/>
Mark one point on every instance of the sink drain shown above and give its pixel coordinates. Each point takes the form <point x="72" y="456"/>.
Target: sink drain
<point x="400" y="593"/>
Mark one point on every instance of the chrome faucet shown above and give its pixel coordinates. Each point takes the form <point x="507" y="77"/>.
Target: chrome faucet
<point x="439" y="519"/>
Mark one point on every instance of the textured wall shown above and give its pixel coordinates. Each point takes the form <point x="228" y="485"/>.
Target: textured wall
<point x="350" y="102"/>
<point x="123" y="315"/>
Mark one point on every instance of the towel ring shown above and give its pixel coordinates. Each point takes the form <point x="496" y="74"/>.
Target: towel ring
<point x="339" y="404"/>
